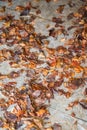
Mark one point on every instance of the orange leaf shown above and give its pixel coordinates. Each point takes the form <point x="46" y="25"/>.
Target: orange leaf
<point x="41" y="112"/>
<point x="2" y="17"/>
<point x="78" y="69"/>
<point x="19" y="8"/>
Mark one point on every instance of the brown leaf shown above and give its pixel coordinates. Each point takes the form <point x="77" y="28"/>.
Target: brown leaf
<point x="52" y="32"/>
<point x="19" y="8"/>
<point x="2" y="18"/>
<point x="48" y="0"/>
<point x="38" y="12"/>
<point x="2" y="9"/>
<point x="14" y="74"/>
<point x="77" y="81"/>
<point x="71" y="27"/>
<point x="57" y="20"/>
<point x="77" y="15"/>
<point x="60" y="9"/>
<point x="56" y="126"/>
<point x="10" y="117"/>
<point x="70" y="16"/>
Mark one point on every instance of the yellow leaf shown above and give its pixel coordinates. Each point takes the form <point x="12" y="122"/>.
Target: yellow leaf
<point x="77" y="14"/>
<point x="78" y="69"/>
<point x="41" y="112"/>
<point x="7" y="24"/>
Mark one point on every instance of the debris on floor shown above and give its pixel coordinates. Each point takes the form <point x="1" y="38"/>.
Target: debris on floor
<point x="43" y="65"/>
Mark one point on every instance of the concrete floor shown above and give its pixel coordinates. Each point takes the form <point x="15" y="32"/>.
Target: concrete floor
<point x="59" y="104"/>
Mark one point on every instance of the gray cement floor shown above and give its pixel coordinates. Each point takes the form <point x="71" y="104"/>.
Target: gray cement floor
<point x="59" y="104"/>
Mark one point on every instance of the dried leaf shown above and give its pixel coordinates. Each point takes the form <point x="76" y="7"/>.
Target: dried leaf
<point x="70" y="16"/>
<point x="48" y="0"/>
<point x="2" y="9"/>
<point x="19" y="8"/>
<point x="41" y="112"/>
<point x="57" y="20"/>
<point x="2" y="18"/>
<point x="38" y="12"/>
<point x="10" y="116"/>
<point x="56" y="126"/>
<point x="60" y="9"/>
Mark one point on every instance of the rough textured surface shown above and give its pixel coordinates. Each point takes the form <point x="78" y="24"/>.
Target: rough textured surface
<point x="43" y="23"/>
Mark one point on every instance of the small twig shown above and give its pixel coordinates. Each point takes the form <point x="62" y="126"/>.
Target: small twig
<point x="80" y="119"/>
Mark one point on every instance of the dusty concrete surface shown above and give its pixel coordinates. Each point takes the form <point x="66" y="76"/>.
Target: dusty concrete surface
<point x="58" y="105"/>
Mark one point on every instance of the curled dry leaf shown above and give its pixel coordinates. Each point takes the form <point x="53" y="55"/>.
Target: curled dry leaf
<point x="10" y="116"/>
<point x="60" y="9"/>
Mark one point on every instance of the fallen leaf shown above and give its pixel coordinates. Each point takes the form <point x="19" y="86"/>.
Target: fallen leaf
<point x="60" y="8"/>
<point x="10" y="116"/>
<point x="56" y="126"/>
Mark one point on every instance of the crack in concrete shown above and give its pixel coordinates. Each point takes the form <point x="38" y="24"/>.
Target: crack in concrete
<point x="69" y="115"/>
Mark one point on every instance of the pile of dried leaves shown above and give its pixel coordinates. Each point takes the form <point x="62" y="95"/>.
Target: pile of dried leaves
<point x="46" y="69"/>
